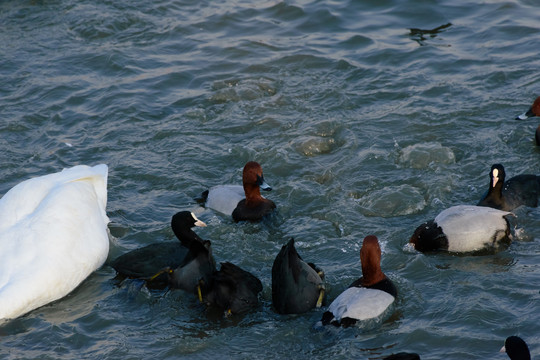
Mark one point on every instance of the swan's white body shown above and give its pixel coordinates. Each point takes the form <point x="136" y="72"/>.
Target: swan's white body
<point x="360" y="303"/>
<point x="53" y="234"/>
<point x="224" y="198"/>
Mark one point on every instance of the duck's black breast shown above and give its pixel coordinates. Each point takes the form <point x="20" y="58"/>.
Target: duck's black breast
<point x="385" y="285"/>
<point x="429" y="237"/>
<point x="252" y="213"/>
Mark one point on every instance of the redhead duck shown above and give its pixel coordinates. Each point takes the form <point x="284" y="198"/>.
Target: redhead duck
<point x="297" y="286"/>
<point x="516" y="348"/>
<point x="534" y="110"/>
<point x="242" y="202"/>
<point x="233" y="290"/>
<point x="149" y="260"/>
<point x="519" y="190"/>
<point x="53" y="235"/>
<point x="367" y="297"/>
<point x="463" y="228"/>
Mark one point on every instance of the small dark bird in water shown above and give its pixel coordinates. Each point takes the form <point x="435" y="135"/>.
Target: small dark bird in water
<point x="233" y="290"/>
<point x="507" y="195"/>
<point x="403" y="356"/>
<point x="516" y="348"/>
<point x="194" y="274"/>
<point x="145" y="262"/>
<point x="297" y="286"/>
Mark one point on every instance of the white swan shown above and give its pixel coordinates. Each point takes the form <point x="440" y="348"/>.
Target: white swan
<point x="53" y="234"/>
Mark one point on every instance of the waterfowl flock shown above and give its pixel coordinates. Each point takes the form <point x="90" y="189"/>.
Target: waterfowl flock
<point x="57" y="223"/>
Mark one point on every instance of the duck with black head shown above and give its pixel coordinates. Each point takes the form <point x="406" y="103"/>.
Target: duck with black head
<point x="516" y="348"/>
<point x="369" y="296"/>
<point x="533" y="111"/>
<point x="242" y="202"/>
<point x="147" y="261"/>
<point x="507" y="195"/>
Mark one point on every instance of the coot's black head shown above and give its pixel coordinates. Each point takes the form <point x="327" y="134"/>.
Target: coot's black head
<point x="497" y="175"/>
<point x="185" y="220"/>
<point x="516" y="348"/>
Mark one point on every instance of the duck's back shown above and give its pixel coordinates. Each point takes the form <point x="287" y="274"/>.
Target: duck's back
<point x="149" y="260"/>
<point x="53" y="235"/>
<point x="234" y="289"/>
<point x="471" y="228"/>
<point x="296" y="286"/>
<point x="224" y="198"/>
<point x="521" y="190"/>
<point x="360" y="303"/>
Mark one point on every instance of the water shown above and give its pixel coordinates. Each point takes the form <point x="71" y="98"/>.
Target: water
<point x="362" y="126"/>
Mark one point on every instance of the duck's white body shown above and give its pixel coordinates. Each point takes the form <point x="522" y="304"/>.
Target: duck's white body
<point x="360" y="303"/>
<point x="224" y="198"/>
<point x="471" y="228"/>
<point x="53" y="234"/>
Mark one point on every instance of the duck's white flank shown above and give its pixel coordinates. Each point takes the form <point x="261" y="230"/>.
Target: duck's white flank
<point x="471" y="228"/>
<point x="360" y="303"/>
<point x="224" y="198"/>
<point x="53" y="234"/>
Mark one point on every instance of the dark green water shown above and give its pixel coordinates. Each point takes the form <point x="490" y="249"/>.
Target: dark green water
<point x="362" y="126"/>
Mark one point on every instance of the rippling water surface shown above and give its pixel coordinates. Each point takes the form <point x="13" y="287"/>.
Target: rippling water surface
<point x="368" y="117"/>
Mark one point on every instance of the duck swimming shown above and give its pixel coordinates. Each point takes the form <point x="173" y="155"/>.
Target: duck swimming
<point x="516" y="348"/>
<point x="233" y="290"/>
<point x="519" y="190"/>
<point x="534" y="110"/>
<point x="195" y="273"/>
<point x="242" y="202"/>
<point x="53" y="235"/>
<point x="297" y="286"/>
<point x="403" y="356"/>
<point x="463" y="229"/>
<point x="147" y="261"/>
<point x="366" y="298"/>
